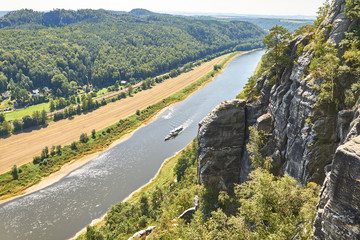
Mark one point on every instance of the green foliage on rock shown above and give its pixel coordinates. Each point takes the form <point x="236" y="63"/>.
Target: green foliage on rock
<point x="256" y="142"/>
<point x="325" y="66"/>
<point x="352" y="9"/>
<point x="276" y="48"/>
<point x="187" y="159"/>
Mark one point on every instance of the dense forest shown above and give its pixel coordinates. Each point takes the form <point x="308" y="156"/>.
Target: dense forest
<point x="64" y="49"/>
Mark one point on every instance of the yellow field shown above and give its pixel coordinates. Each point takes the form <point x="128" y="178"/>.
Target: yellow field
<point x="19" y="149"/>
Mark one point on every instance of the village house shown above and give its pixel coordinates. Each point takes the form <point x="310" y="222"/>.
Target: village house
<point x="6" y="95"/>
<point x="36" y="93"/>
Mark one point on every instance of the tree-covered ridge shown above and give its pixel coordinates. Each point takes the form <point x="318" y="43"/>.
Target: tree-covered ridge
<point x="108" y="48"/>
<point x="267" y="23"/>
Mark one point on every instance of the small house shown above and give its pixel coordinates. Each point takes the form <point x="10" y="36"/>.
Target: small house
<point x="36" y="93"/>
<point x="123" y="82"/>
<point x="6" y="95"/>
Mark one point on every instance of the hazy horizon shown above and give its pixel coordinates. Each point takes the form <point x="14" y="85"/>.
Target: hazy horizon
<point x="201" y="7"/>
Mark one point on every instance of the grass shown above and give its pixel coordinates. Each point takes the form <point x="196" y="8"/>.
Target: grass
<point x="32" y="173"/>
<point x="101" y="92"/>
<point x="10" y="116"/>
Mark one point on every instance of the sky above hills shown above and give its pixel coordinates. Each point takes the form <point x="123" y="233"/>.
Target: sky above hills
<point x="263" y="7"/>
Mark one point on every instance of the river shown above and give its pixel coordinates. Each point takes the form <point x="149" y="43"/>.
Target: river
<point x="60" y="210"/>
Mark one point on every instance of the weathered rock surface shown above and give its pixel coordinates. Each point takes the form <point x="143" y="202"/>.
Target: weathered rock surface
<point x="340" y="23"/>
<point x="142" y="233"/>
<point x="187" y="215"/>
<point x="338" y="214"/>
<point x="220" y="145"/>
<point x="307" y="142"/>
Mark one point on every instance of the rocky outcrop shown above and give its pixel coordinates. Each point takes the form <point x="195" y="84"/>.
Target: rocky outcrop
<point x="142" y="233"/>
<point x="338" y="214"/>
<point x="305" y="141"/>
<point x="221" y="140"/>
<point x="187" y="215"/>
<point x="338" y="21"/>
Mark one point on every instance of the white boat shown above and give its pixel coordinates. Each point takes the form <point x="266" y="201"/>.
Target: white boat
<point x="173" y="133"/>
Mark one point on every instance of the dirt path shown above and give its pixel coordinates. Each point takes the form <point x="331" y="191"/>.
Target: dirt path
<point x="21" y="148"/>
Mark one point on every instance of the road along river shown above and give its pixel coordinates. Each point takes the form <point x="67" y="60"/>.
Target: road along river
<point x="60" y="210"/>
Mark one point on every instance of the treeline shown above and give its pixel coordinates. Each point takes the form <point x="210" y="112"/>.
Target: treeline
<point x="37" y="118"/>
<point x="267" y="23"/>
<point x="98" y="48"/>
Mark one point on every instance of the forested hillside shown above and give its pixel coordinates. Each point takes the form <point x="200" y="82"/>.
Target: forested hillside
<point x="63" y="49"/>
<point x="267" y="23"/>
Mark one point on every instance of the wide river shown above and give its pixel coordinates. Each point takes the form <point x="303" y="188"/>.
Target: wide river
<point x="62" y="209"/>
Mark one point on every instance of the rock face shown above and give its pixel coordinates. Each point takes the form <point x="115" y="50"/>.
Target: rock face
<point x="338" y="214"/>
<point x="306" y="142"/>
<point x="220" y="145"/>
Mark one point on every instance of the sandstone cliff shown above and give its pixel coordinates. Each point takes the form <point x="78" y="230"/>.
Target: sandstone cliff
<point x="307" y="142"/>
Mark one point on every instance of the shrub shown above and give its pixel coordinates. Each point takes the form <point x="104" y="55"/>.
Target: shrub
<point x="45" y="153"/>
<point x="84" y="138"/>
<point x="18" y="124"/>
<point x="14" y="172"/>
<point x="37" y="159"/>
<point x="58" y="149"/>
<point x="52" y="151"/>
<point x="93" y="133"/>
<point x="73" y="145"/>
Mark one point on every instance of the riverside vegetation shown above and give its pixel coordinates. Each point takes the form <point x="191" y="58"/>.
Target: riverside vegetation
<point x="53" y="157"/>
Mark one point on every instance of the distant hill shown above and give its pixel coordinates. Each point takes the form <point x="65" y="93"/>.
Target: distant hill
<point x="2" y="13"/>
<point x="141" y="12"/>
<point x="100" y="47"/>
<point x="26" y="18"/>
<point x="265" y="23"/>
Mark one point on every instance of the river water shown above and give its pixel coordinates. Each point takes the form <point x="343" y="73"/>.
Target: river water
<point x="62" y="209"/>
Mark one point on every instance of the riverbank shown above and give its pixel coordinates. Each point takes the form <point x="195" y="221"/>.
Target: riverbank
<point x="70" y="167"/>
<point x="19" y="149"/>
<point x="74" y="164"/>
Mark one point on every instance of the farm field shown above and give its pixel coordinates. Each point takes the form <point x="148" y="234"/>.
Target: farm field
<point x="19" y="149"/>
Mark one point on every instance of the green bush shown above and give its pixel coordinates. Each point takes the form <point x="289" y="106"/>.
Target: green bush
<point x="73" y="145"/>
<point x="84" y="138"/>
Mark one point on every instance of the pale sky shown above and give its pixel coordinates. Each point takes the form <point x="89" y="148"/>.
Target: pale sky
<point x="263" y="7"/>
